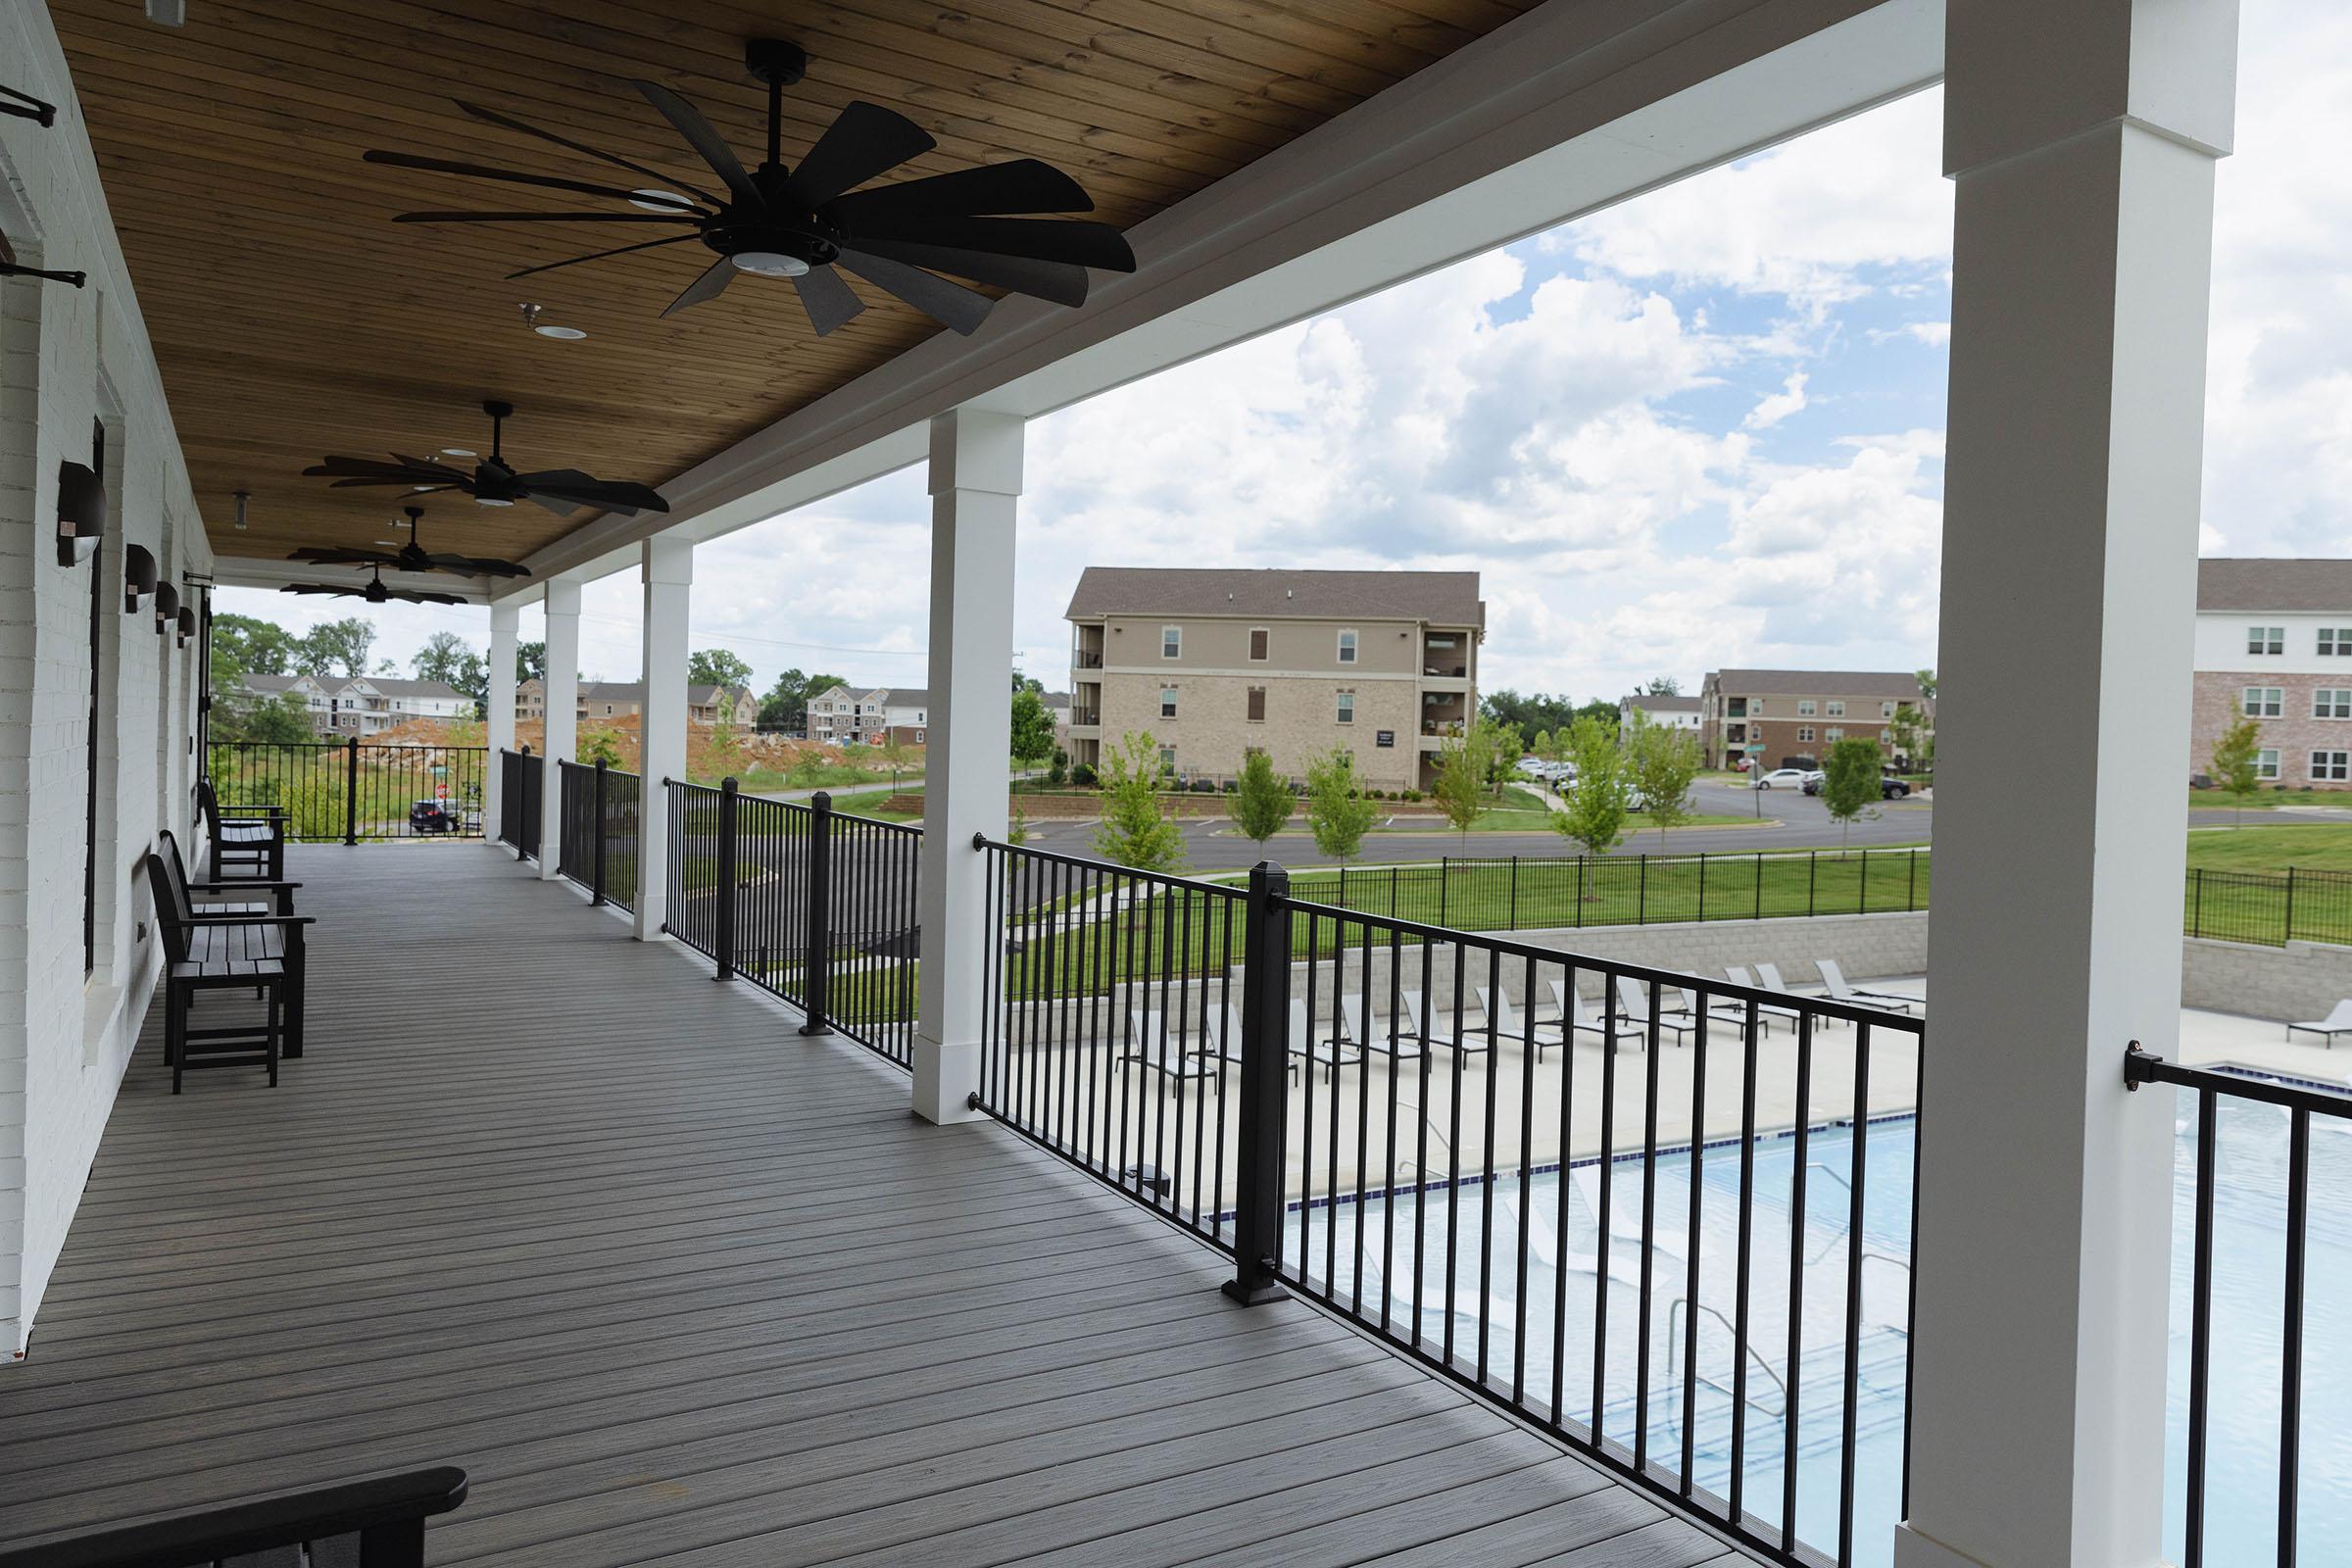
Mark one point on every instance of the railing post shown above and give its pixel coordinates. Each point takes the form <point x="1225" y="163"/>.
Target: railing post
<point x="816" y="964"/>
<point x="1264" y="1085"/>
<point x="2288" y="935"/>
<point x="351" y="790"/>
<point x="1444" y="883"/>
<point x="724" y="933"/>
<point x="596" y="825"/>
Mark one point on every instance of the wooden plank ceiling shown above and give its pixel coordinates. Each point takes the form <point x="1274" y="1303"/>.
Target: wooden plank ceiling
<point x="293" y="318"/>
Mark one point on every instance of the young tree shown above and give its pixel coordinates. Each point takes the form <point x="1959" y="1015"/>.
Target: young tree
<point x="1926" y="684"/>
<point x="278" y="720"/>
<point x="1541" y="746"/>
<point x="717" y="666"/>
<point x="335" y="647"/>
<point x="1662" y="762"/>
<point x="1849" y="782"/>
<point x="1595" y="803"/>
<point x="723" y="755"/>
<point x="1032" y="729"/>
<point x="2236" y="763"/>
<point x="1137" y="830"/>
<point x="446" y="658"/>
<point x="894" y="756"/>
<point x="1459" y="786"/>
<point x="1498" y="746"/>
<point x="1662" y="686"/>
<point x="1336" y="810"/>
<point x="600" y="745"/>
<point x="1262" y="802"/>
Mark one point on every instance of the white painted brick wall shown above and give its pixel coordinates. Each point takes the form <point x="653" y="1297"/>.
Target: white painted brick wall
<point x="64" y="1040"/>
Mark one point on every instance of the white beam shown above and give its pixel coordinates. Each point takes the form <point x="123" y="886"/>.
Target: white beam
<point x="975" y="497"/>
<point x="667" y="567"/>
<point x="1565" y="109"/>
<point x="499" y="722"/>
<point x="2081" y="140"/>
<point x="562" y="732"/>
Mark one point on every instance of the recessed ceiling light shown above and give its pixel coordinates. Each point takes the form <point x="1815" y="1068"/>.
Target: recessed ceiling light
<point x="656" y="200"/>
<point x="457" y="452"/>
<point x="490" y="500"/>
<point x="421" y="488"/>
<point x="769" y="264"/>
<point x="394" y="543"/>
<point x="567" y="334"/>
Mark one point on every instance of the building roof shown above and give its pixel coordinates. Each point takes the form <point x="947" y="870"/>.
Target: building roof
<point x="883" y="696"/>
<point x="2288" y="585"/>
<point x="1443" y="598"/>
<point x="392" y="686"/>
<point x="274" y="683"/>
<point x="382" y="685"/>
<point x="1663" y="703"/>
<point x="633" y="691"/>
<point x="1897" y="683"/>
<point x="1054" y="699"/>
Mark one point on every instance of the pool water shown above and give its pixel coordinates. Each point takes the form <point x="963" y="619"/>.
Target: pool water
<point x="1398" y="1252"/>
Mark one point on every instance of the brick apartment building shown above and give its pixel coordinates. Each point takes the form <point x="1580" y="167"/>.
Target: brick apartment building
<point x="732" y="705"/>
<point x="2275" y="637"/>
<point x="1215" y="664"/>
<point x="1776" y="715"/>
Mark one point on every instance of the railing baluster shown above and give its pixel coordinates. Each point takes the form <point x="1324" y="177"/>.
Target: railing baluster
<point x="1859" y="1173"/>
<point x="1794" y="1380"/>
<point x="2290" y="1356"/>
<point x="2200" y="1331"/>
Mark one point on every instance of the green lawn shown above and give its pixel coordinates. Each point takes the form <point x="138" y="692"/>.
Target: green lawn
<point x="2272" y="848"/>
<point x="2264" y="798"/>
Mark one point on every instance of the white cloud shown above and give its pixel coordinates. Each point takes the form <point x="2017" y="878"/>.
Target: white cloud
<point x="1778" y="406"/>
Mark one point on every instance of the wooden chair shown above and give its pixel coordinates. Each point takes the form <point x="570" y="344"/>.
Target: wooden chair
<point x="206" y="897"/>
<point x="227" y="952"/>
<point x="251" y="843"/>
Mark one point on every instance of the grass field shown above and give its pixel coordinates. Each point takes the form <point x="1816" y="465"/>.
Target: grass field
<point x="2316" y="848"/>
<point x="2267" y="798"/>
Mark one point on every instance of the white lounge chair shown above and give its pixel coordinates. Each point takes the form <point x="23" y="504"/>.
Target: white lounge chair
<point x="1633" y="1004"/>
<point x="1509" y="1025"/>
<point x="1833" y="980"/>
<point x="2337" y="1022"/>
<point x="1440" y="1030"/>
<point x="1737" y="975"/>
<point x="1721" y="1009"/>
<point x="1573" y="1019"/>
<point x="1221" y="1039"/>
<point x="1155" y="1046"/>
<point x="1331" y="1052"/>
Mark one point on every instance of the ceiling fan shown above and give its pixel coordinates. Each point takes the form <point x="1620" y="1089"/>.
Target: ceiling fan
<point x="494" y="481"/>
<point x="373" y="591"/>
<point x="413" y="556"/>
<point x="802" y="222"/>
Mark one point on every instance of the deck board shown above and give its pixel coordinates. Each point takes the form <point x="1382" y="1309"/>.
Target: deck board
<point x="674" y="1284"/>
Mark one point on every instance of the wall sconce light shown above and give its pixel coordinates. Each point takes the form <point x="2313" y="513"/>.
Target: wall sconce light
<point x="167" y="609"/>
<point x="81" y="514"/>
<point x="187" y="624"/>
<point x="138" y="577"/>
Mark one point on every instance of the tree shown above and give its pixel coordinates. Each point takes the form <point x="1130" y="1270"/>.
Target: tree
<point x="1662" y="686"/>
<point x="335" y="647"/>
<point x="530" y="662"/>
<point x="1337" y="813"/>
<point x="253" y="647"/>
<point x="1926" y="684"/>
<point x="446" y="659"/>
<point x="1908" y="730"/>
<point x="2237" y="759"/>
<point x="894" y="756"/>
<point x="786" y="705"/>
<point x="1502" y="742"/>
<point x="1596" y="802"/>
<point x="717" y="666"/>
<point x="722" y="753"/>
<point x="1032" y="729"/>
<point x="599" y="746"/>
<point x="1136" y="831"/>
<point x="1027" y="683"/>
<point x="1530" y="712"/>
<point x="1599" y="707"/>
<point x="1541" y="745"/>
<point x="1460" y="785"/>
<point x="1662" y="764"/>
<point x="1263" y="801"/>
<point x="1849" y="782"/>
<point x="278" y="720"/>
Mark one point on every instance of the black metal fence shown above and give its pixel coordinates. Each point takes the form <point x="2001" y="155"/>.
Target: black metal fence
<point x="1673" y="1261"/>
<point x="520" y="801"/>
<point x="597" y="846"/>
<point x="342" y="791"/>
<point x="814" y="904"/>
<point x="2272" y="908"/>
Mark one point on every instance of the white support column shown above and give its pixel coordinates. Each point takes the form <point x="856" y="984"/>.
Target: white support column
<point x="2083" y="139"/>
<point x="668" y="590"/>
<point x="975" y="496"/>
<point x="506" y="616"/>
<point x="563" y="714"/>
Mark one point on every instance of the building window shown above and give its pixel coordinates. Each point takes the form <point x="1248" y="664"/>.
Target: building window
<point x="1347" y="647"/>
<point x="1257" y="704"/>
<point x="2263" y="702"/>
<point x="2265" y="763"/>
<point x="1832" y="736"/>
<point x="1804" y="708"/>
<point x="1168" y="759"/>
<point x="1804" y="732"/>
<point x="918" y="737"/>
<point x="1735" y="708"/>
<point x="1167" y="701"/>
<point x="2335" y="642"/>
<point x="1885" y="737"/>
<point x="2266" y="639"/>
<point x="2331" y="702"/>
<point x="1886" y="709"/>
<point x="1834" y="707"/>
<point x="2330" y="767"/>
<point x="1171" y="642"/>
<point x="1259" y="638"/>
<point x="1346" y="707"/>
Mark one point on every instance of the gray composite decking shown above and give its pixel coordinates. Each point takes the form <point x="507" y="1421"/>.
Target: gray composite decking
<point x="675" y="1284"/>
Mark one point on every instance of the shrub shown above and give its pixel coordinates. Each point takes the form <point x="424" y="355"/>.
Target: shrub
<point x="1083" y="776"/>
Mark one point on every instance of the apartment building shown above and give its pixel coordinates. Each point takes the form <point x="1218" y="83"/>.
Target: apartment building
<point x="599" y="699"/>
<point x="2275" y="639"/>
<point x="870" y="715"/>
<point x="1663" y="710"/>
<point x="1771" y="715"/>
<point x="364" y="705"/>
<point x="1216" y="663"/>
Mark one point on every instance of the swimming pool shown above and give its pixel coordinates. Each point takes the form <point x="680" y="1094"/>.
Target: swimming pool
<point x="1399" y="1250"/>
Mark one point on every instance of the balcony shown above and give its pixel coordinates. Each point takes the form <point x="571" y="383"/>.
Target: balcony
<point x="1086" y="658"/>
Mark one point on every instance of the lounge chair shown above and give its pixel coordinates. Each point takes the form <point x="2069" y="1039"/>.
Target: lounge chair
<point x="1330" y="1053"/>
<point x="1508" y="1025"/>
<point x="1632" y="1006"/>
<point x="1439" y="1031"/>
<point x="1221" y="1040"/>
<point x="1164" y="1053"/>
<point x="1738" y="976"/>
<point x="1722" y="1008"/>
<point x="1570" y="1006"/>
<point x="1833" y="979"/>
<point x="2337" y="1022"/>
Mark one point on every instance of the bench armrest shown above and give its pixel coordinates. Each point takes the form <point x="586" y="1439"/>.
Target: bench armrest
<point x="239" y="810"/>
<point x="253" y="919"/>
<point x="243" y="885"/>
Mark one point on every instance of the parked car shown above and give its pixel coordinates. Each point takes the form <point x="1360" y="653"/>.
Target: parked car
<point x="1535" y="767"/>
<point x="1786" y="778"/>
<point x="431" y="817"/>
<point x="1891" y="788"/>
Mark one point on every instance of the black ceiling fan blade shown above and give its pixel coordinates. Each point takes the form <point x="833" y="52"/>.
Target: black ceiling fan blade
<point x="1023" y="185"/>
<point x="1058" y="282"/>
<point x="446" y="166"/>
<point x="336" y="465"/>
<point x="418" y="596"/>
<point x="829" y="302"/>
<point x="550" y="503"/>
<point x="323" y="588"/>
<point x="494" y="117"/>
<point x="479" y="566"/>
<point x="570" y="484"/>
<point x="327" y="556"/>
<point x="598" y="255"/>
<point x="1042" y="239"/>
<point x="865" y="141"/>
<point x="542" y="217"/>
<point x="711" y="283"/>
<point x="438" y="470"/>
<point x="690" y="123"/>
<point x="949" y="304"/>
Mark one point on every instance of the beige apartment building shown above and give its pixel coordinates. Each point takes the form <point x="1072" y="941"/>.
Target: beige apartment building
<point x="1778" y="717"/>
<point x="732" y="705"/>
<point x="1215" y="664"/>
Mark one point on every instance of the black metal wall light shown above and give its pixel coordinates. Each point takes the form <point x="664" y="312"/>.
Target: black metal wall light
<point x="81" y="513"/>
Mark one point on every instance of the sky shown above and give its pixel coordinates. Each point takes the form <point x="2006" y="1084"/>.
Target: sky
<point x="1703" y="428"/>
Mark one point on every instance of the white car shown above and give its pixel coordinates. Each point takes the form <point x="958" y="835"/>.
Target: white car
<point x="1534" y="766"/>
<point x="1787" y="779"/>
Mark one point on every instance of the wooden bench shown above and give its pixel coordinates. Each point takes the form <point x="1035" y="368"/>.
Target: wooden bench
<point x="249" y="841"/>
<point x="211" y="952"/>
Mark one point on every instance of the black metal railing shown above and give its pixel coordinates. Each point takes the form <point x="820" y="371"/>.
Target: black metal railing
<point x="521" y="800"/>
<point x="342" y="791"/>
<point x="378" y="1522"/>
<point x="1674" y="1263"/>
<point x="598" y="844"/>
<point x="815" y="904"/>
<point x="619" y="824"/>
<point x="2271" y="908"/>
<point x="2250" y="1193"/>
